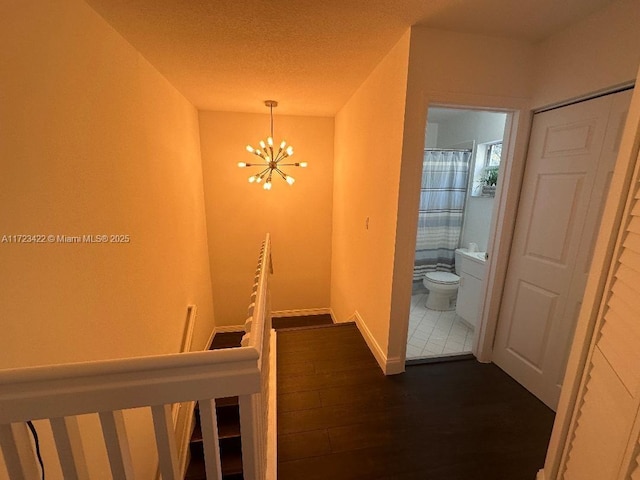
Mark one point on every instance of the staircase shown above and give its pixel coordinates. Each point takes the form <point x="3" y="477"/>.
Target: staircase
<point x="228" y="414"/>
<point x="224" y="381"/>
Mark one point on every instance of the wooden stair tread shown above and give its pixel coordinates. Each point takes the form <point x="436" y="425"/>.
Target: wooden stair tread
<point x="231" y="456"/>
<point x="228" y="421"/>
<point x="196" y="469"/>
<point x="226" y="340"/>
<point x="230" y="461"/>
<point x="228" y="416"/>
<point x="222" y="402"/>
<point x="228" y="424"/>
<point x="233" y="466"/>
<point x="226" y="401"/>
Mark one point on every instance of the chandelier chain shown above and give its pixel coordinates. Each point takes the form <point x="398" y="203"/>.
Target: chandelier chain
<point x="271" y="112"/>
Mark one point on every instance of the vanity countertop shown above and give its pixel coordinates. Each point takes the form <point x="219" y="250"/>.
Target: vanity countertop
<point x="479" y="257"/>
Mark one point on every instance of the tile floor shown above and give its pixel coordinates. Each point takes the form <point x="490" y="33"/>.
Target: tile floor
<point x="434" y="333"/>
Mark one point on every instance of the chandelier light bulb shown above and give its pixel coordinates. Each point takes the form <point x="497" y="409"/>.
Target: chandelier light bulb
<point x="289" y="150"/>
<point x="242" y="164"/>
<point x="267" y="185"/>
<point x="250" y="149"/>
<point x="303" y="164"/>
<point x="290" y="180"/>
<point x="252" y="179"/>
<point x="270" y="141"/>
<point x="283" y="144"/>
<point x="262" y="144"/>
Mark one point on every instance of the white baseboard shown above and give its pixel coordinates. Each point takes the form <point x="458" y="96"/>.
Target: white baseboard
<point x="210" y="341"/>
<point x="389" y="366"/>
<point x="302" y="312"/>
<point x="541" y="475"/>
<point x="395" y="365"/>
<point x="187" y="335"/>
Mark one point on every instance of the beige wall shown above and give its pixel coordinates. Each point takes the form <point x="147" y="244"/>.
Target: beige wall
<point x="601" y="51"/>
<point x="240" y="214"/>
<point x="94" y="141"/>
<point x="451" y="62"/>
<point x="368" y="148"/>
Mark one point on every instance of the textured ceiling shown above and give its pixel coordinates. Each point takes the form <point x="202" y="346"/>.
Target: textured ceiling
<point x="231" y="55"/>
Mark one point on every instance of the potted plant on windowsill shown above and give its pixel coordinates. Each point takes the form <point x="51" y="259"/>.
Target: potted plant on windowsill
<point x="489" y="180"/>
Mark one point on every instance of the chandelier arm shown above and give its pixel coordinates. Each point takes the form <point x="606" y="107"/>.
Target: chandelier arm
<point x="263" y="172"/>
<point x="284" y="155"/>
<point x="284" y="177"/>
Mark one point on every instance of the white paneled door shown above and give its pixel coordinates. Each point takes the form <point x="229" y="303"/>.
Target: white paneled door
<point x="571" y="156"/>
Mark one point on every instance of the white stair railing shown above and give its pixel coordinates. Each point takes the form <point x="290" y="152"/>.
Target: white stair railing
<point x="59" y="393"/>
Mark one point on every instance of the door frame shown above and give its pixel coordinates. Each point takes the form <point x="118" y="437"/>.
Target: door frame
<point x="516" y="138"/>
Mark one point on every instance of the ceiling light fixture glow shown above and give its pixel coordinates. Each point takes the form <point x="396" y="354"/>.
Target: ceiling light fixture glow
<point x="272" y="158"/>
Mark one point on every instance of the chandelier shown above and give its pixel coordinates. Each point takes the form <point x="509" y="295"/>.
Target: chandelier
<point x="271" y="159"/>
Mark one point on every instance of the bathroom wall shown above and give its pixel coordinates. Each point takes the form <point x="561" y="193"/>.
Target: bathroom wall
<point x="431" y="135"/>
<point x="461" y="132"/>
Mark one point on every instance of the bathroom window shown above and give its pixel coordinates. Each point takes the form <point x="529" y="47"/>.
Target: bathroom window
<point x="485" y="172"/>
<point x="494" y="152"/>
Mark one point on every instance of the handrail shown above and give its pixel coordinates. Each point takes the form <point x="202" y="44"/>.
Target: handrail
<point x="16" y="376"/>
<point x="134" y="387"/>
<point x="255" y="335"/>
<point x="109" y="386"/>
<point x="257" y="407"/>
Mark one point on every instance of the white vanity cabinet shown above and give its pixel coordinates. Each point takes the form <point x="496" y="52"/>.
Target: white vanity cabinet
<point x="471" y="272"/>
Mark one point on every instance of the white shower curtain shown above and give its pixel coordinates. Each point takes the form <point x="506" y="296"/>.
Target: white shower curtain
<point x="444" y="189"/>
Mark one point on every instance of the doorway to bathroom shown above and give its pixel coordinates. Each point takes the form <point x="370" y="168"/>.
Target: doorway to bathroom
<point x="460" y="174"/>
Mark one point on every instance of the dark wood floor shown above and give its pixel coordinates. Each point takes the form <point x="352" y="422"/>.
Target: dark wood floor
<point x="280" y="323"/>
<point x="340" y="418"/>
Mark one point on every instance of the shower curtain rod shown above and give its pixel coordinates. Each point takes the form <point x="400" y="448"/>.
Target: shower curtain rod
<point x="448" y="150"/>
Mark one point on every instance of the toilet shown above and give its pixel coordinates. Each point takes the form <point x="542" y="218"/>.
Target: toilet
<point x="443" y="289"/>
